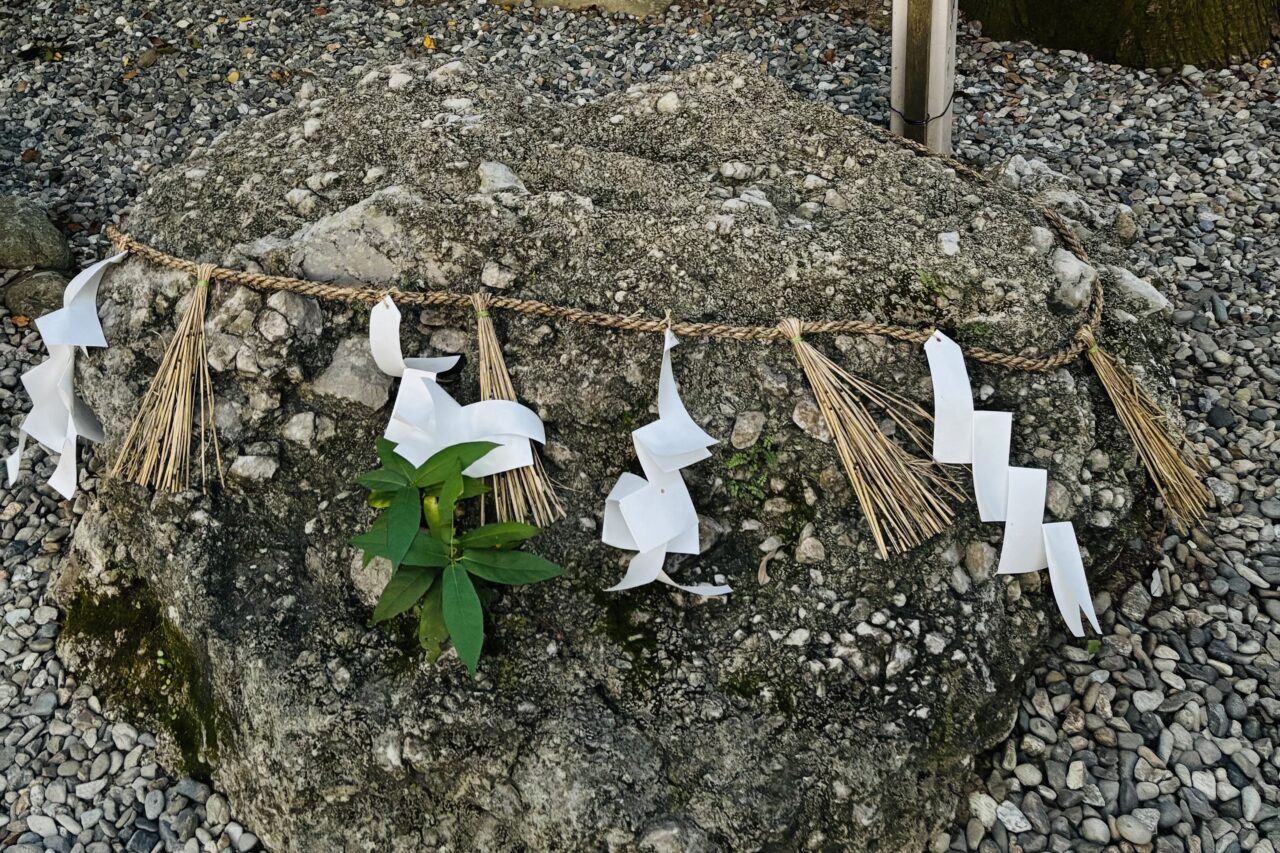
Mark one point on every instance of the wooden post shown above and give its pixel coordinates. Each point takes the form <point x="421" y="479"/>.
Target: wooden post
<point x="924" y="71"/>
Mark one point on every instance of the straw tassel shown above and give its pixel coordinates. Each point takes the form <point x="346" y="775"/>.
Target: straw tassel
<point x="157" y="449"/>
<point x="523" y="493"/>
<point x="903" y="497"/>
<point x="1172" y="466"/>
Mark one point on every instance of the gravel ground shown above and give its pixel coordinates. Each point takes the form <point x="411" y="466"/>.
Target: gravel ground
<point x="1162" y="734"/>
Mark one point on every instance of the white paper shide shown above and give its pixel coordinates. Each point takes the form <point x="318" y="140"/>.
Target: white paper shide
<point x="654" y="514"/>
<point x="1066" y="573"/>
<point x="58" y="417"/>
<point x="952" y="401"/>
<point x="992" y="437"/>
<point x="1023" y="549"/>
<point x="426" y="419"/>
<point x="1015" y="496"/>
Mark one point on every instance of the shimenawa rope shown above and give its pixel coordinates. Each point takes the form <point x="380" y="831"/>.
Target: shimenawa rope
<point x="902" y="496"/>
<point x="622" y="322"/>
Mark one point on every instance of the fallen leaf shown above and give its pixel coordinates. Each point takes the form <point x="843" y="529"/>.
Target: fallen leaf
<point x="1266" y="62"/>
<point x="21" y="320"/>
<point x="129" y="75"/>
<point x="233" y="76"/>
<point x="428" y="42"/>
<point x="30" y="155"/>
<point x="320" y="11"/>
<point x="280" y="75"/>
<point x="244" y="19"/>
<point x="828" y="55"/>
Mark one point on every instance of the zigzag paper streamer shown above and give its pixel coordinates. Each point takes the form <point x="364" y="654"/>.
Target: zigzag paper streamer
<point x="58" y="417"/>
<point x="1015" y="496"/>
<point x="952" y="401"/>
<point x="992" y="435"/>
<point x="425" y="419"/>
<point x="654" y="514"/>
<point x="1066" y="572"/>
<point x="1023" y="548"/>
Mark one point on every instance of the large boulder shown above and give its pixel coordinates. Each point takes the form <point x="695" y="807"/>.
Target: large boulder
<point x="834" y="706"/>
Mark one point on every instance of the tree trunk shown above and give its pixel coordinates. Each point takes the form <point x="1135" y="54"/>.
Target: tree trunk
<point x="1143" y="33"/>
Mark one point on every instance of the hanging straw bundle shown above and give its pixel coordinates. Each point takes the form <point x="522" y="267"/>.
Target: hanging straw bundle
<point x="904" y="498"/>
<point x="1171" y="466"/>
<point x="157" y="448"/>
<point x="526" y="492"/>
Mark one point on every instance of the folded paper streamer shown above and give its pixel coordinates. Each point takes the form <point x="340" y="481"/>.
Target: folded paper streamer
<point x="1066" y="572"/>
<point x="654" y="514"/>
<point x="1015" y="496"/>
<point x="1023" y="549"/>
<point x="992" y="435"/>
<point x="425" y="419"/>
<point x="57" y="417"/>
<point x="952" y="401"/>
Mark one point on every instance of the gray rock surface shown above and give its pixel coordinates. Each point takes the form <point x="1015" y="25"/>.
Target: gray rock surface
<point x="28" y="238"/>
<point x="839" y="703"/>
<point x="34" y="293"/>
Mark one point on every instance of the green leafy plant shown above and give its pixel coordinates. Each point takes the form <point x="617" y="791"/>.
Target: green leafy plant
<point x="440" y="572"/>
<point x="932" y="282"/>
<point x="974" y="331"/>
<point x="755" y="463"/>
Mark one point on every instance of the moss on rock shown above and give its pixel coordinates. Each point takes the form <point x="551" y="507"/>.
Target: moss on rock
<point x="143" y="664"/>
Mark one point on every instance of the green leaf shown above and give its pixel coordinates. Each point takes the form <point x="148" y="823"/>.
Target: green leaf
<point x="380" y="499"/>
<point x="426" y="551"/>
<point x="374" y="542"/>
<point x="450" y="491"/>
<point x="437" y="469"/>
<point x="510" y="567"/>
<point x="497" y="535"/>
<point x="432" y="632"/>
<point x="462" y="615"/>
<point x="382" y="478"/>
<point x="404" y="589"/>
<point x="472" y="488"/>
<point x="393" y="461"/>
<point x="431" y="511"/>
<point x="404" y="520"/>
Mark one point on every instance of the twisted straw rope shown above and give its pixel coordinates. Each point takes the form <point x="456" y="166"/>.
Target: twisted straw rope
<point x="633" y="323"/>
